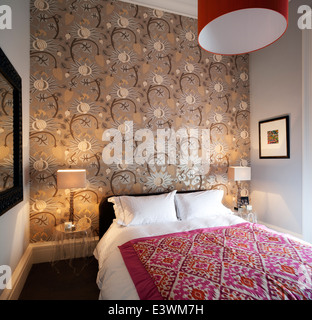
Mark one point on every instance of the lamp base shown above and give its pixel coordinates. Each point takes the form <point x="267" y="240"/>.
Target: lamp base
<point x="71" y="206"/>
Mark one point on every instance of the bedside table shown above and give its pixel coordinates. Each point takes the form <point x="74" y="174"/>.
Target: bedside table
<point x="248" y="216"/>
<point x="74" y="243"/>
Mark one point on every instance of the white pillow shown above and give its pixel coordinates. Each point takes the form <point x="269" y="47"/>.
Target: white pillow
<point x="131" y="210"/>
<point x="199" y="204"/>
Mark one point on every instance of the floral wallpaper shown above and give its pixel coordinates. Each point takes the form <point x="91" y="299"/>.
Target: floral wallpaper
<point x="99" y="65"/>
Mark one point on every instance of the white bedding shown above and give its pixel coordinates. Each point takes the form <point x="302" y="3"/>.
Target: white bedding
<point x="113" y="278"/>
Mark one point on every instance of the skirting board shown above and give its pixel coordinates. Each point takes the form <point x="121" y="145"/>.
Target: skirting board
<point x="43" y="252"/>
<point x="19" y="277"/>
<point x="35" y="253"/>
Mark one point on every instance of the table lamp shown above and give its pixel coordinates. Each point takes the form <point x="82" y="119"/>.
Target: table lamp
<point x="239" y="174"/>
<point x="71" y="179"/>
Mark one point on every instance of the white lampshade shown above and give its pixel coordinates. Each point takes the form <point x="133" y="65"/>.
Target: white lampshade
<point x="240" y="26"/>
<point x="71" y="178"/>
<point x="239" y="173"/>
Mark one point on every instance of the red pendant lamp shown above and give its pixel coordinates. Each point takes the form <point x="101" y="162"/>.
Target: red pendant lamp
<point x="231" y="27"/>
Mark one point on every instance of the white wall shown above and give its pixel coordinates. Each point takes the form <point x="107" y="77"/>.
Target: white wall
<point x="307" y="135"/>
<point x="14" y="224"/>
<point x="276" y="89"/>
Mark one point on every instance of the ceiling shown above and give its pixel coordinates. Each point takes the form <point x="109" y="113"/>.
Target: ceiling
<point x="183" y="7"/>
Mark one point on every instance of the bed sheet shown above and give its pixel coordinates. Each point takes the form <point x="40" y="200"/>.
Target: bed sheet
<point x="113" y="279"/>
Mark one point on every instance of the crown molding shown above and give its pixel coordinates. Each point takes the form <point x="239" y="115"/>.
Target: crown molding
<point x="186" y="8"/>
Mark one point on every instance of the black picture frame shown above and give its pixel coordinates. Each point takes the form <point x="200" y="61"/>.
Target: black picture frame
<point x="274" y="140"/>
<point x="14" y="195"/>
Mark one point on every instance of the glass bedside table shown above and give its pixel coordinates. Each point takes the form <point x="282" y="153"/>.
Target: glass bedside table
<point x="250" y="216"/>
<point x="73" y="243"/>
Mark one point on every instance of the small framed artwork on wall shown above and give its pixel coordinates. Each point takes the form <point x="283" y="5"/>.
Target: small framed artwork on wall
<point x="274" y="138"/>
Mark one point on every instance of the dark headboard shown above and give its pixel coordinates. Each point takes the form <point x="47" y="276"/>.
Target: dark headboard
<point x="107" y="214"/>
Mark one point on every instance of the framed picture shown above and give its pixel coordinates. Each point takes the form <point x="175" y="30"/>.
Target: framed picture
<point x="274" y="138"/>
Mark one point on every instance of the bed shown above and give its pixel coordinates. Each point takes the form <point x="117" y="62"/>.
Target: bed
<point x="189" y="246"/>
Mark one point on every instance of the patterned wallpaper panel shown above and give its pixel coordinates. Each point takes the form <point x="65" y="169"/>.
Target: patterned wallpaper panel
<point x="103" y="66"/>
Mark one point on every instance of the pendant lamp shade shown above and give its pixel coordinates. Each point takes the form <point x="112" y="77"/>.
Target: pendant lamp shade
<point x="230" y="27"/>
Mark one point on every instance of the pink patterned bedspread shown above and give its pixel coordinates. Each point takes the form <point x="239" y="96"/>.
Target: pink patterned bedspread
<point x="244" y="261"/>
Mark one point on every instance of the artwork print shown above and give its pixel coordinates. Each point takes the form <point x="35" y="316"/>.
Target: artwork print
<point x="273" y="137"/>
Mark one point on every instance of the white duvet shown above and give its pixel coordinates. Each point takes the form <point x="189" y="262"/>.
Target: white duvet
<point x="113" y="278"/>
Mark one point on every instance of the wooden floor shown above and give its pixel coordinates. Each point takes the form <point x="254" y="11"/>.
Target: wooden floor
<point x="62" y="281"/>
